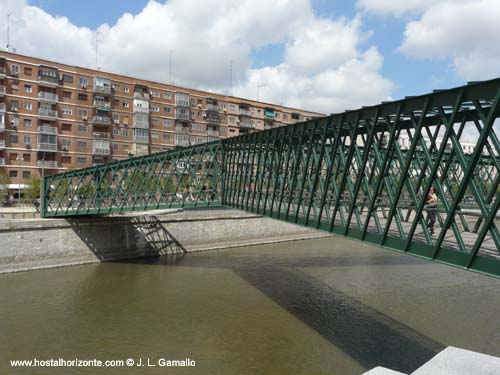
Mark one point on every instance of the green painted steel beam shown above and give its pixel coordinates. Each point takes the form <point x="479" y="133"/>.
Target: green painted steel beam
<point x="349" y="174"/>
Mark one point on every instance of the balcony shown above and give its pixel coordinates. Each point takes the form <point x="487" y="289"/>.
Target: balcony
<point x="47" y="114"/>
<point x="103" y="136"/>
<point x="212" y="133"/>
<point x="2" y="144"/>
<point x="3" y="91"/>
<point x="141" y="124"/>
<point x="182" y="129"/>
<point x="47" y="164"/>
<point x="141" y="109"/>
<point x="182" y="116"/>
<point x="47" y="97"/>
<point x="101" y="148"/>
<point x="245" y="112"/>
<point x="50" y="147"/>
<point x="182" y="102"/>
<point x="48" y="81"/>
<point x="101" y="120"/>
<point x="212" y="107"/>
<point x="45" y="129"/>
<point x="106" y="90"/>
<point x="141" y="95"/>
<point x="102" y="105"/>
<point x="246" y="125"/>
<point x="141" y="138"/>
<point x="183" y="142"/>
<point x="2" y="161"/>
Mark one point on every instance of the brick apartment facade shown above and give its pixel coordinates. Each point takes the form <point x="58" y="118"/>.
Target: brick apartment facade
<point x="55" y="117"/>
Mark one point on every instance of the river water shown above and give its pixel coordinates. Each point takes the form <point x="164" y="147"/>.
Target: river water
<point x="324" y="306"/>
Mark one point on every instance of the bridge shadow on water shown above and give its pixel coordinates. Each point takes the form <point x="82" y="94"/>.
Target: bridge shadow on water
<point x="139" y="236"/>
<point x="365" y="334"/>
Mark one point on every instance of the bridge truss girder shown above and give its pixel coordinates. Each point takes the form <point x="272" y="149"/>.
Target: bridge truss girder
<point x="345" y="173"/>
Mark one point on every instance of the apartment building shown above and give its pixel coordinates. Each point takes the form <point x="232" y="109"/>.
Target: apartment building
<point x="55" y="117"/>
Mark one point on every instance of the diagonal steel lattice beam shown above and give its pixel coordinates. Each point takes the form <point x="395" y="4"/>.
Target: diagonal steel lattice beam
<point x="348" y="173"/>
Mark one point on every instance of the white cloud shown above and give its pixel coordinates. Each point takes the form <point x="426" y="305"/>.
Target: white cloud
<point x="395" y="7"/>
<point x="323" y="68"/>
<point x="468" y="32"/>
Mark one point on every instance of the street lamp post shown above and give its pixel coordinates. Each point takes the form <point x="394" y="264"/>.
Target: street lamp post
<point x="20" y="160"/>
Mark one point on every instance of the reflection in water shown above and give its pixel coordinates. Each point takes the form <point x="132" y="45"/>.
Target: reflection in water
<point x="308" y="307"/>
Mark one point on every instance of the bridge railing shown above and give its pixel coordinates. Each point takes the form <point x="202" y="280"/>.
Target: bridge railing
<point x="364" y="174"/>
<point x="184" y="177"/>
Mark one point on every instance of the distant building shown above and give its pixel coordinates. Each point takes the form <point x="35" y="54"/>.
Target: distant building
<point x="56" y="117"/>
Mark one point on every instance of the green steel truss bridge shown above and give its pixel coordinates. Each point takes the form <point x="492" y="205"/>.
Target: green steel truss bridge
<point x="347" y="173"/>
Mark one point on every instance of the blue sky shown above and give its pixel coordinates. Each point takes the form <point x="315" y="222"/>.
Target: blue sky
<point x="377" y="47"/>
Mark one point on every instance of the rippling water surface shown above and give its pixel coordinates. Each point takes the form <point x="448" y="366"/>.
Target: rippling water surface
<point x="325" y="306"/>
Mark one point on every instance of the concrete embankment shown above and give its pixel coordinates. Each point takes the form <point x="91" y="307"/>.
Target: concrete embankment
<point x="43" y="243"/>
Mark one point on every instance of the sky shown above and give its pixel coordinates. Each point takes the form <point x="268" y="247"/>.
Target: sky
<point x="321" y="55"/>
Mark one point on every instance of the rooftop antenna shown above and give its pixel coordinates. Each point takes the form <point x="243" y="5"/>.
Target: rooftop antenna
<point x="231" y="78"/>
<point x="258" y="87"/>
<point x="8" y="31"/>
<point x="96" y="50"/>
<point x="170" y="69"/>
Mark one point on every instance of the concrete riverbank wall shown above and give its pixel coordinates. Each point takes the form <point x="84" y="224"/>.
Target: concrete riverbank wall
<point x="44" y="243"/>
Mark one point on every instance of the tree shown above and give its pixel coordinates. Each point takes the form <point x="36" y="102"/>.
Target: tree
<point x="33" y="190"/>
<point x="4" y="181"/>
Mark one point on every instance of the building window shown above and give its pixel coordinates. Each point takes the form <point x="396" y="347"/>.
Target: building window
<point x="14" y="70"/>
<point x="28" y="71"/>
<point x="124" y="147"/>
<point x="66" y="94"/>
<point x="125" y="104"/>
<point x="114" y="146"/>
<point x="166" y="109"/>
<point x="222" y="131"/>
<point x="82" y="97"/>
<point x="26" y="174"/>
<point x="167" y="123"/>
<point x="232" y="107"/>
<point x="81" y="160"/>
<point x="27" y="141"/>
<point x="125" y="133"/>
<point x="82" y="112"/>
<point x="28" y="88"/>
<point x="116" y="117"/>
<point x="67" y="78"/>
<point x="83" y="81"/>
<point x="81" y="144"/>
<point x="155" y="136"/>
<point x="66" y="127"/>
<point x="14" y="139"/>
<point x="66" y="143"/>
<point x="27" y="123"/>
<point x="66" y="160"/>
<point x="82" y="128"/>
<point x="67" y="111"/>
<point x="155" y="108"/>
<point x="116" y="131"/>
<point x="14" y="122"/>
<point x="126" y="89"/>
<point x="13" y="174"/>
<point x="192" y="102"/>
<point x="115" y="87"/>
<point x="14" y="105"/>
<point x="28" y="106"/>
<point x="167" y="95"/>
<point x="27" y="157"/>
<point x="232" y="120"/>
<point x="166" y="137"/>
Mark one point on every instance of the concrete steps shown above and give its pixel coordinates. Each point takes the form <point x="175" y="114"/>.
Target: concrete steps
<point x="451" y="361"/>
